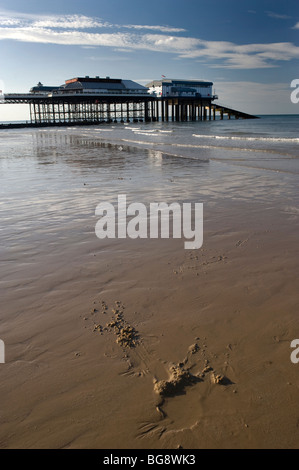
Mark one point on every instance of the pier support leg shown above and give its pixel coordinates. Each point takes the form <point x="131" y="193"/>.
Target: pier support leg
<point x="108" y="113"/>
<point x="146" y="112"/>
<point x="53" y="110"/>
<point x="193" y="112"/>
<point x="128" y="112"/>
<point x="166" y="111"/>
<point x="135" y="118"/>
<point x="152" y="111"/>
<point x="162" y="110"/>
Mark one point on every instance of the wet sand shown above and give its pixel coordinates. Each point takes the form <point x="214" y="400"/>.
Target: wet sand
<point x="214" y="324"/>
<point x="126" y="344"/>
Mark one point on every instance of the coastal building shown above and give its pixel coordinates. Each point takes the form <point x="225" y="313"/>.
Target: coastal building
<point x="86" y="99"/>
<point x="174" y="88"/>
<point x="96" y="86"/>
<point x="40" y="89"/>
<point x="183" y="100"/>
<point x="102" y="87"/>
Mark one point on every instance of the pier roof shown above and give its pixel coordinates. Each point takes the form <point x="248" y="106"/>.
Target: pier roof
<point x="177" y="81"/>
<point x="87" y="83"/>
<point x="40" y="88"/>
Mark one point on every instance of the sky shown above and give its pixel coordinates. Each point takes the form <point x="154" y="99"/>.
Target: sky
<point x="248" y="49"/>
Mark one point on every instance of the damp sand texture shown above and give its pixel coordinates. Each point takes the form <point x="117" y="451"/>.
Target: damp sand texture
<point x="180" y="348"/>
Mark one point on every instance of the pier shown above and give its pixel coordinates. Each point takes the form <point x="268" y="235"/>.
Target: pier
<point x="86" y="101"/>
<point x="195" y="110"/>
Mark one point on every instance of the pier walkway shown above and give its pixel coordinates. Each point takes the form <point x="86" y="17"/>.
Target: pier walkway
<point x="86" y="109"/>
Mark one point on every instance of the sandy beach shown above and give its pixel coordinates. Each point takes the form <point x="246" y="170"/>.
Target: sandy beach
<point x="128" y="344"/>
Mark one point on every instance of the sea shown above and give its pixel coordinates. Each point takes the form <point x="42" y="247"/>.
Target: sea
<point x="51" y="179"/>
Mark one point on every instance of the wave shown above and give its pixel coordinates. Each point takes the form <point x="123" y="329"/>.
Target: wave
<point x="258" y="139"/>
<point x="146" y="133"/>
<point x="143" y="142"/>
<point x="104" y="130"/>
<point x="143" y="130"/>
<point x="156" y="144"/>
<point x="137" y="130"/>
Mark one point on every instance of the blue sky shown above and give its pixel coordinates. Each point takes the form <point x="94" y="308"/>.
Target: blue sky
<point x="249" y="49"/>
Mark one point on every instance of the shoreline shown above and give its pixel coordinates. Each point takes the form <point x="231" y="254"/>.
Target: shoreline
<point x="27" y="124"/>
<point x="54" y="124"/>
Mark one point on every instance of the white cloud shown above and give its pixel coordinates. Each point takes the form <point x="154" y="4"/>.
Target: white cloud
<point x="50" y="36"/>
<point x="69" y="22"/>
<point x="9" y="21"/>
<point x="73" y="22"/>
<point x="244" y="61"/>
<point x="162" y="29"/>
<point x="76" y="30"/>
<point x="278" y="16"/>
<point x="246" y="56"/>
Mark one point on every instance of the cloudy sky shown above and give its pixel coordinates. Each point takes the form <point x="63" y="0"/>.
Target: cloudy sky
<point x="249" y="49"/>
